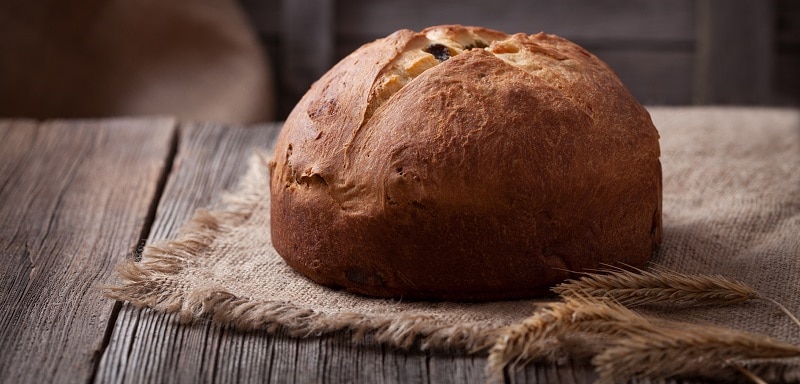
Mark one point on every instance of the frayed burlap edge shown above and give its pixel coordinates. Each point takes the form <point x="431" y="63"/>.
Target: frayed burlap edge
<point x="143" y="287"/>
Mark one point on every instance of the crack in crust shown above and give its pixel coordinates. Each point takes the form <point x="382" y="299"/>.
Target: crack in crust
<point x="436" y="45"/>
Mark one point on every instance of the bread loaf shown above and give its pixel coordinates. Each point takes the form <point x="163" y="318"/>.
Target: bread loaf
<point x="463" y="163"/>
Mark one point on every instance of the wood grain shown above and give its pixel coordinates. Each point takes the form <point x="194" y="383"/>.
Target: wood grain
<point x="74" y="199"/>
<point x="145" y="345"/>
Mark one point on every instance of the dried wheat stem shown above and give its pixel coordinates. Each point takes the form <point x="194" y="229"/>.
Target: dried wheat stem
<point x="638" y="287"/>
<point x="684" y="349"/>
<point x="782" y="308"/>
<point x="537" y="337"/>
<point x="527" y="338"/>
<point x="633" y="345"/>
<point x="750" y="375"/>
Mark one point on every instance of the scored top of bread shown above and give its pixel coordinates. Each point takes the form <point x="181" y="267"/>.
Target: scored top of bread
<point x="464" y="163"/>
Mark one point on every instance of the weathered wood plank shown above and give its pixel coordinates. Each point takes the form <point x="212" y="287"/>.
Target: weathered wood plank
<point x="244" y="359"/>
<point x="74" y="199"/>
<point x="146" y="346"/>
<point x="568" y="372"/>
<point x="459" y="368"/>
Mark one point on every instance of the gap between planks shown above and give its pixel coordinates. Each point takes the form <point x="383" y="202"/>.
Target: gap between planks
<point x="136" y="253"/>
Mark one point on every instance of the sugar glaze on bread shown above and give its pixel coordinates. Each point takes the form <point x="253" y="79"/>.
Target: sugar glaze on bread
<point x="463" y="163"/>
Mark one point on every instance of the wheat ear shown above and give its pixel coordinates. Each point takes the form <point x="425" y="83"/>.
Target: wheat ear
<point x="638" y="287"/>
<point x="681" y="349"/>
<point x="536" y="338"/>
<point x="633" y="345"/>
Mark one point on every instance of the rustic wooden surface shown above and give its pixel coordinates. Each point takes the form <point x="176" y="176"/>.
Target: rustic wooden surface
<point x="76" y="198"/>
<point x="208" y="161"/>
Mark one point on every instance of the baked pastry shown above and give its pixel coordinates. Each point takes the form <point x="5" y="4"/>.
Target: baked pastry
<point x="463" y="163"/>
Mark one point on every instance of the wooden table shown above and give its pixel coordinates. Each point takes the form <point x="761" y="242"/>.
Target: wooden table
<point x="78" y="197"/>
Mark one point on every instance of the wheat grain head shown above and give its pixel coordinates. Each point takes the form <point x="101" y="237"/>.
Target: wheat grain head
<point x="675" y="349"/>
<point x="537" y="337"/>
<point x="637" y="287"/>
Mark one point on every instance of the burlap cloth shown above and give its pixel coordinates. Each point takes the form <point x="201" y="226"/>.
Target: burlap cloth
<point x="731" y="207"/>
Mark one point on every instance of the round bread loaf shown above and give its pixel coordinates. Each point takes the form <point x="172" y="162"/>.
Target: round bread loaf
<point x="463" y="163"/>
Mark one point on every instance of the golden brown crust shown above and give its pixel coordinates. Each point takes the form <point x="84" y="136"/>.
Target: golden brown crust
<point x="485" y="176"/>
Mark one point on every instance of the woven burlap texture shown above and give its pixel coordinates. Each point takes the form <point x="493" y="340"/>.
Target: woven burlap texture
<point x="731" y="206"/>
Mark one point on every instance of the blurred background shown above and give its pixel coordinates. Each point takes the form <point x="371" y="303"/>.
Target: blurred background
<point x="245" y="61"/>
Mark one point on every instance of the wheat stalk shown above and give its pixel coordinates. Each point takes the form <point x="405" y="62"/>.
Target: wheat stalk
<point x="632" y="345"/>
<point x="681" y="349"/>
<point x="628" y="345"/>
<point x="783" y="309"/>
<point x="537" y="337"/>
<point x="637" y="287"/>
<point x="529" y="338"/>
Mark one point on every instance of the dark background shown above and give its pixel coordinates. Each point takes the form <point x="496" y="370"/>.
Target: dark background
<point x="668" y="52"/>
<point x="249" y="61"/>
